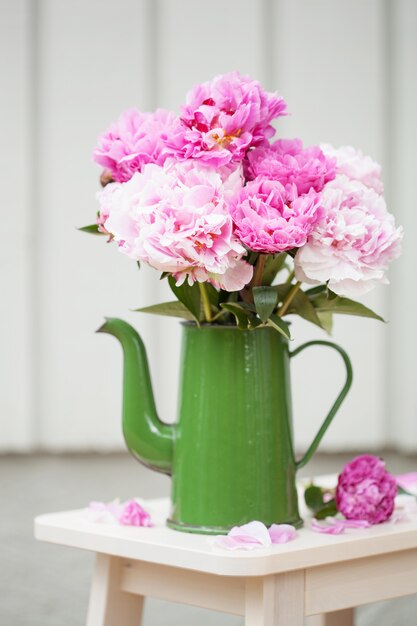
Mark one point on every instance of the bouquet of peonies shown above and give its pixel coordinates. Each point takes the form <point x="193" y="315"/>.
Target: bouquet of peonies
<point x="236" y="223"/>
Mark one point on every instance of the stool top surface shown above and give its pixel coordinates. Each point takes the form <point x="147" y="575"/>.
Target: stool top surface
<point x="164" y="546"/>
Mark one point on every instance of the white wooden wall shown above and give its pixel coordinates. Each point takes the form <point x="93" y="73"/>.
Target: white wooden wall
<point x="68" y="68"/>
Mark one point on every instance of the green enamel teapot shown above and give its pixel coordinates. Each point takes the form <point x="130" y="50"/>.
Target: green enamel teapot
<point x="230" y="454"/>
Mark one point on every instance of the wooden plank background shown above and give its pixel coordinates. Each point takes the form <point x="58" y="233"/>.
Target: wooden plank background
<point x="67" y="70"/>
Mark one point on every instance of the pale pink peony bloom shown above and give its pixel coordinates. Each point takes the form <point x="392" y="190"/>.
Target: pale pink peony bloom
<point x="175" y="218"/>
<point x="288" y="162"/>
<point x="133" y="514"/>
<point x="365" y="490"/>
<point x="353" y="242"/>
<point x="271" y="218"/>
<point x="133" y="141"/>
<point x="222" y="119"/>
<point x="255" y="535"/>
<point x="355" y="165"/>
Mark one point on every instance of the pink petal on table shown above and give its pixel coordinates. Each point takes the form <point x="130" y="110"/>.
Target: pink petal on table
<point x="254" y="532"/>
<point x="247" y="537"/>
<point x="354" y="523"/>
<point x="133" y="514"/>
<point x="282" y="533"/>
<point x="328" y="529"/>
<point x="407" y="481"/>
<point x="104" y="512"/>
<point x="235" y="543"/>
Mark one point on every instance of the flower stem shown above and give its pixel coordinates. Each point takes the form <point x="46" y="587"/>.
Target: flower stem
<point x="290" y="277"/>
<point x="206" y="302"/>
<point x="289" y="298"/>
<point x="259" y="270"/>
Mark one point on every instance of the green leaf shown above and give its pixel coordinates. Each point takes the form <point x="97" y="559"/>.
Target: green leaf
<point x="279" y="325"/>
<point x="92" y="229"/>
<point x="315" y="290"/>
<point x="329" y="510"/>
<point x="171" y="309"/>
<point x="282" y="291"/>
<point x="337" y="304"/>
<point x="313" y="497"/>
<point x="273" y="264"/>
<point x="189" y="295"/>
<point x="240" y="314"/>
<point x="301" y="305"/>
<point x="326" y="320"/>
<point x="265" y="299"/>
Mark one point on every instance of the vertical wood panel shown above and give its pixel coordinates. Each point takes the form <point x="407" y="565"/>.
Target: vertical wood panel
<point x="330" y="67"/>
<point x="402" y="93"/>
<point x="94" y="63"/>
<point x="345" y="82"/>
<point x="17" y="429"/>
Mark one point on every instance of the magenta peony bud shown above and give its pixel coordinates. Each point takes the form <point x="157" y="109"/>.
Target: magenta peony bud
<point x="365" y="490"/>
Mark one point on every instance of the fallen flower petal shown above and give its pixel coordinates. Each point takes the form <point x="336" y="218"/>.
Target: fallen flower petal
<point x="329" y="529"/>
<point x="255" y="535"/>
<point x="408" y="482"/>
<point x="352" y="523"/>
<point x="133" y="514"/>
<point x="282" y="533"/>
<point x="254" y="532"/>
<point x="333" y="526"/>
<point x="104" y="512"/>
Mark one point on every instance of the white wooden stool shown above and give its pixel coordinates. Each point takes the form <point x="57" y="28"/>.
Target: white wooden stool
<point x="314" y="575"/>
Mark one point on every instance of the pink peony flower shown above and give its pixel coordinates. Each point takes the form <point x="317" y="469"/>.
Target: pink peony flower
<point x="353" y="241"/>
<point x="133" y="141"/>
<point x="175" y="218"/>
<point x="256" y="535"/>
<point x="271" y="218"/>
<point x="365" y="490"/>
<point x="288" y="162"/>
<point x="355" y="165"/>
<point x="133" y="514"/>
<point x="222" y="119"/>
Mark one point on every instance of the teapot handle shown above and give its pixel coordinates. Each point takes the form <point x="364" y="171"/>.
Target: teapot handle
<point x="328" y="420"/>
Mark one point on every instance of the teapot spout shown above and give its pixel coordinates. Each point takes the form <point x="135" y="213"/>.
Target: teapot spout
<point x="146" y="436"/>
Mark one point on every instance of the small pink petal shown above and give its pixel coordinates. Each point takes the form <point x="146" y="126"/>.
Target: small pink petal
<point x="253" y="532"/>
<point x="104" y="512"/>
<point x="354" y="523"/>
<point x="133" y="514"/>
<point x="328" y="529"/>
<point x="282" y="533"/>
<point x="407" y="481"/>
<point x="235" y="543"/>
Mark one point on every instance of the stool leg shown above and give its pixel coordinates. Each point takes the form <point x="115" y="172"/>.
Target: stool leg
<point x="275" y="600"/>
<point x="109" y="605"/>
<point x="338" y="618"/>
